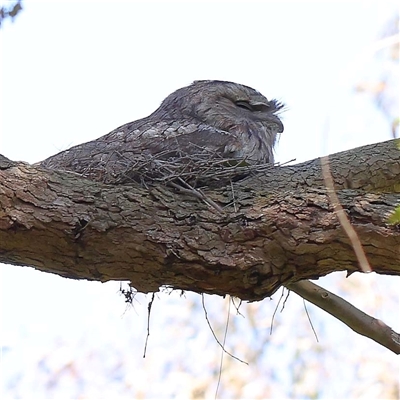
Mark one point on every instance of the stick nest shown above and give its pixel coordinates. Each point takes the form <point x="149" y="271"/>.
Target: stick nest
<point x="195" y="169"/>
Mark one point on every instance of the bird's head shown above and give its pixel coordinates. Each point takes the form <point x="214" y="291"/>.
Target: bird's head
<point x="250" y="117"/>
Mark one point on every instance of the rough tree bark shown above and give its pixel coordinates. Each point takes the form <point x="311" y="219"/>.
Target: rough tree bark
<point x="276" y="228"/>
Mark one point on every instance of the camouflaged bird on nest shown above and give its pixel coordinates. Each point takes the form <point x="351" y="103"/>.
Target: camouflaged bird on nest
<point x="207" y="132"/>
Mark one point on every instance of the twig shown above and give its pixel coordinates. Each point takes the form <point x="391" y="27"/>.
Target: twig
<point x="342" y="217"/>
<point x="215" y="336"/>
<point x="197" y="193"/>
<point x="148" y="323"/>
<point x="222" y="353"/>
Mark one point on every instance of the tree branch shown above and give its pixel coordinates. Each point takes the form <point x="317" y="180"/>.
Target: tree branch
<point x="280" y="229"/>
<point x="354" y="318"/>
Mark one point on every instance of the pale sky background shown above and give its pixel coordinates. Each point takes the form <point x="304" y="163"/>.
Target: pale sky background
<point x="73" y="71"/>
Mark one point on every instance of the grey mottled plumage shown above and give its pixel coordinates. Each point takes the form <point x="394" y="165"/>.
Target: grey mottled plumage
<point x="208" y="118"/>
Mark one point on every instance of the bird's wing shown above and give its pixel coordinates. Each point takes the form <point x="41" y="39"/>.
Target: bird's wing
<point x="119" y="155"/>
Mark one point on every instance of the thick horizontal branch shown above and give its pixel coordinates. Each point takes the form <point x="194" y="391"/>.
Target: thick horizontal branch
<point x="374" y="168"/>
<point x="275" y="228"/>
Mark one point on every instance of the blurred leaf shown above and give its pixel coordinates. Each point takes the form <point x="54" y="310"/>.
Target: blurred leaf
<point x="11" y="11"/>
<point x="394" y="219"/>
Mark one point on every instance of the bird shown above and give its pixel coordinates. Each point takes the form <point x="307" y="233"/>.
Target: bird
<point x="223" y="121"/>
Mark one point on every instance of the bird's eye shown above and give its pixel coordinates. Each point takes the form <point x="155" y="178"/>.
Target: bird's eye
<point x="244" y="104"/>
<point x="253" y="106"/>
<point x="261" y="107"/>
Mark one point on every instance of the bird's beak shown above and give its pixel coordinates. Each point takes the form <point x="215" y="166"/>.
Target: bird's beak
<point x="276" y="120"/>
<point x="268" y="113"/>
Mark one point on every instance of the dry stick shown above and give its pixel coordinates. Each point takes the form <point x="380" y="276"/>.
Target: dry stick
<point x="215" y="336"/>
<point x="197" y="193"/>
<point x="276" y="310"/>
<point x="223" y="343"/>
<point x="354" y="318"/>
<point x="233" y="198"/>
<point x="309" y="320"/>
<point x="148" y="324"/>
<point x="342" y="217"/>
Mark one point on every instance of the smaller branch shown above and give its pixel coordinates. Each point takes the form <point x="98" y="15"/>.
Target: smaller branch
<point x="354" y="318"/>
